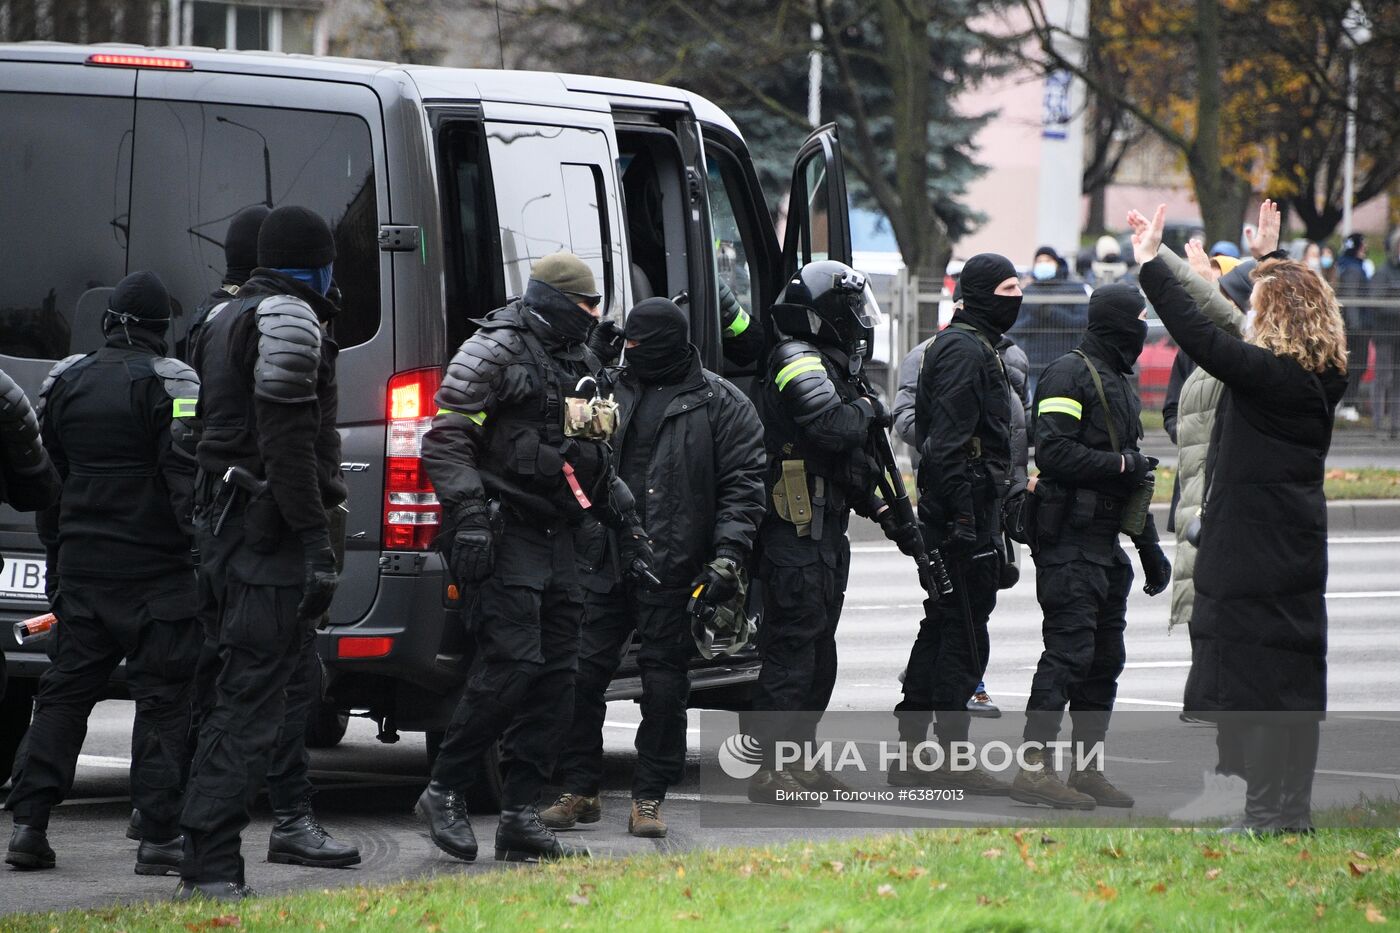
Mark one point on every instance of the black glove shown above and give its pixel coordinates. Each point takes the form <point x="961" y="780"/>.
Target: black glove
<point x="1156" y="569"/>
<point x="1135" y="467"/>
<point x="879" y="414"/>
<point x="606" y="341"/>
<point x="904" y="535"/>
<point x="473" y="551"/>
<point x="961" y="537"/>
<point x="718" y="582"/>
<point x="638" y="557"/>
<point x="319" y="577"/>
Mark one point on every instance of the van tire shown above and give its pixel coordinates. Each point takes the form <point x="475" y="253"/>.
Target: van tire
<point x="484" y="794"/>
<point x="326" y="726"/>
<point x="16" y="709"/>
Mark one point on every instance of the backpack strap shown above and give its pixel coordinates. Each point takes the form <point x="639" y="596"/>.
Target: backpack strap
<point x="1103" y="400"/>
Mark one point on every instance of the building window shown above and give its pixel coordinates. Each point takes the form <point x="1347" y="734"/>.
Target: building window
<point x="251" y="26"/>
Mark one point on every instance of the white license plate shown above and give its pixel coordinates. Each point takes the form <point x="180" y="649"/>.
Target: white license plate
<point x="23" y="578"/>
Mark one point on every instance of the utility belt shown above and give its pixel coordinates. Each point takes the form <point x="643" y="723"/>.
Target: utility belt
<point x="238" y="491"/>
<point x="1061" y="509"/>
<point x="802" y="498"/>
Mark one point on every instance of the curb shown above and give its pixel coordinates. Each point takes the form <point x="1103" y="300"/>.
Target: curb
<point x="1342" y="515"/>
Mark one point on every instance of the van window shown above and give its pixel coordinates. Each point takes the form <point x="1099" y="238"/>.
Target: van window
<point x="473" y="270"/>
<point x="65" y="162"/>
<point x="198" y="164"/>
<point x="731" y="255"/>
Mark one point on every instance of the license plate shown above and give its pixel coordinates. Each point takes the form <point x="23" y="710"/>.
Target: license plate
<point x="22" y="578"/>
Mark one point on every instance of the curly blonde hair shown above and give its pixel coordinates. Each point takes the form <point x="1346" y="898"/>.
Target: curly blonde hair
<point x="1297" y="316"/>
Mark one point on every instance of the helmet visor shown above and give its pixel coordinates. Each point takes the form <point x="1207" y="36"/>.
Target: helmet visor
<point x="868" y="309"/>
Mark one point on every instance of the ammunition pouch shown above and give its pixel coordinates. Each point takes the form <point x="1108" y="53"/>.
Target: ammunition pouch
<point x="1019" y="516"/>
<point x="1052" y="508"/>
<point x="1135" y="508"/>
<point x="792" y="501"/>
<point x="591" y="418"/>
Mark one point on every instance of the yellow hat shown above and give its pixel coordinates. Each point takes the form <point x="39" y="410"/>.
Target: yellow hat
<point x="1226" y="263"/>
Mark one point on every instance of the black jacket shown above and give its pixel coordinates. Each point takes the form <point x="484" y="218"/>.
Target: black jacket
<point x="28" y="481"/>
<point x="117" y="424"/>
<point x="962" y="422"/>
<point x="1259" y="622"/>
<point x="704" y="492"/>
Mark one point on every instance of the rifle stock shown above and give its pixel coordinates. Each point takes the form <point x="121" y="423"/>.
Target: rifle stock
<point x="933" y="574"/>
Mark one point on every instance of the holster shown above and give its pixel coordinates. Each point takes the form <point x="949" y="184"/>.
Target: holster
<point x="792" y="502"/>
<point x="1051" y="511"/>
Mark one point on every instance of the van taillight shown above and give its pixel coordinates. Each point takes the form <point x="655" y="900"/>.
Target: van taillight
<point x="111" y="60"/>
<point x="412" y="515"/>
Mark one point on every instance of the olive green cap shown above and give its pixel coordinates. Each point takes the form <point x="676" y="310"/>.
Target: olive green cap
<point x="568" y="273"/>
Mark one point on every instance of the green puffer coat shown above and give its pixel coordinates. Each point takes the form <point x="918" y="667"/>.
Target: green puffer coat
<point x="1200" y="395"/>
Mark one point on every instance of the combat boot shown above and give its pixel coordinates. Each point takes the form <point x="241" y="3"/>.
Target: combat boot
<point x="645" y="820"/>
<point x="133" y="826"/>
<point x="29" y="849"/>
<point x="819" y="779"/>
<point x="781" y="789"/>
<point x="1043" y="785"/>
<point x="570" y="809"/>
<point x="213" y="890"/>
<point x="521" y="837"/>
<point x="1090" y="780"/>
<point x="973" y="781"/>
<point x="445" y="812"/>
<point x="298" y="838"/>
<point x="160" y="858"/>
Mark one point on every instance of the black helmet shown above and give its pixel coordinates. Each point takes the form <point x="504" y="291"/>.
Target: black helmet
<point x="829" y="303"/>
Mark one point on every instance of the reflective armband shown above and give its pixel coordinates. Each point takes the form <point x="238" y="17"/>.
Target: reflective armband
<point x="1060" y="406"/>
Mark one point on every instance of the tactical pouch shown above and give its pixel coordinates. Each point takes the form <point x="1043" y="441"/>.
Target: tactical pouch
<point x="791" y="499"/>
<point x="1051" y="510"/>
<point x="1136" y="507"/>
<point x="1020" y="515"/>
<point x="590" y="417"/>
<point x="262" y="525"/>
<point x="1082" y="507"/>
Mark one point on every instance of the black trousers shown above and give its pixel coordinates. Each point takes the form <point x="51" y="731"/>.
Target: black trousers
<point x="1084" y="605"/>
<point x="526" y="617"/>
<point x="260" y="644"/>
<point x="664" y="650"/>
<point x="804" y="588"/>
<point x="150" y="623"/>
<point x="950" y="653"/>
<point x="1279" y="758"/>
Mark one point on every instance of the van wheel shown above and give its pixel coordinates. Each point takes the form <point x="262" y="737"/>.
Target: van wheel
<point x="483" y="794"/>
<point x="16" y="709"/>
<point x="326" y="726"/>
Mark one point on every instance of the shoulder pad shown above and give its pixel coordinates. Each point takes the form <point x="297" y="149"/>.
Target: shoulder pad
<point x="12" y="397"/>
<point x="179" y="379"/>
<point x="289" y="350"/>
<point x="474" y="367"/>
<point x="798" y="372"/>
<point x="59" y="368"/>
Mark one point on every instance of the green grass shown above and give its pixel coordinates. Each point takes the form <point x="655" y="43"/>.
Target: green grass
<point x="982" y="879"/>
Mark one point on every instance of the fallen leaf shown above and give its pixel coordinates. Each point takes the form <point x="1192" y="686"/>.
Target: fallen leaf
<point x="1047" y="841"/>
<point x="992" y="853"/>
<point x="836" y="867"/>
<point x="1359" y="871"/>
<point x="680" y="871"/>
<point x="1104" y="892"/>
<point x="688" y="916"/>
<point x="577" y="900"/>
<point x="1158" y="888"/>
<point x="1358" y="854"/>
<point x="1212" y="874"/>
<point x="1112" y="852"/>
<point x="1319" y="910"/>
<point x="1373" y="914"/>
<point x="1291" y="883"/>
<point x="886" y="890"/>
<point x="686" y="892"/>
<point x="1208" y="852"/>
<point x="983" y="900"/>
<point x="1290" y="840"/>
<point x="1305" y="856"/>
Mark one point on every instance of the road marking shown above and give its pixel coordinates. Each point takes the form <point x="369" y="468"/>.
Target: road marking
<point x="92" y="801"/>
<point x="1361" y="774"/>
<point x="104" y="761"/>
<point x="1141" y="665"/>
<point x="1140" y="761"/>
<point x="886" y="548"/>
<point x="1366" y="594"/>
<point x="634" y="726"/>
<point x="1162" y="703"/>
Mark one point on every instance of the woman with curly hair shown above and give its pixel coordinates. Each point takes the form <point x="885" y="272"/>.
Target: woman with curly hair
<point x="1259" y="622"/>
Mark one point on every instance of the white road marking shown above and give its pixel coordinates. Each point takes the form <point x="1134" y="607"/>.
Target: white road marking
<point x="1361" y="774"/>
<point x="1132" y="664"/>
<point x="886" y="548"/>
<point x="1140" y="761"/>
<point x="1129" y="700"/>
<point x="1366" y="594"/>
<point x="104" y="761"/>
<point x="634" y="726"/>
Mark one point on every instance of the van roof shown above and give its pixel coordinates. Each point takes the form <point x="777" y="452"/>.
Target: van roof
<point x="581" y="92"/>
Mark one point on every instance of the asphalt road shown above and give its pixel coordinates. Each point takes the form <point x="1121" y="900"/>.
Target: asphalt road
<point x="367" y="789"/>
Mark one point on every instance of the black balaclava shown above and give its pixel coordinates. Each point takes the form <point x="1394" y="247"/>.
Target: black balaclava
<point x="560" y="313"/>
<point x="138" y="308"/>
<point x="241" y="244"/>
<point x="1115" y="334"/>
<point x="663" y="354"/>
<point x="982" y="307"/>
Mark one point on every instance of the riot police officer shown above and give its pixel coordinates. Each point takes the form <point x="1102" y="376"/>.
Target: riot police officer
<point x="691" y="445"/>
<point x="267" y="558"/>
<point x="518" y="460"/>
<point x="1093" y="482"/>
<point x="117" y="423"/>
<point x="818" y="415"/>
<point x="741" y="337"/>
<point x="962" y="422"/>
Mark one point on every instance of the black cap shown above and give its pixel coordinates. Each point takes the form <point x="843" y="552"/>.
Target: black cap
<point x="295" y="238"/>
<point x="142" y="299"/>
<point x="241" y="243"/>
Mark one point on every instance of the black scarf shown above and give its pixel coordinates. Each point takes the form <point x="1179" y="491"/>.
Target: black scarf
<point x="664" y="354"/>
<point x="982" y="307"/>
<point x="1115" y="334"/>
<point x="561" y="315"/>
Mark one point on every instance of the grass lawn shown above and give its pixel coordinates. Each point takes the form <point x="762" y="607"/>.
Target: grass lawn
<point x="1339" y="485"/>
<point x="982" y="879"/>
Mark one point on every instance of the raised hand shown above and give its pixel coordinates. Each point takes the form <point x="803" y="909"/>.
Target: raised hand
<point x="1264" y="240"/>
<point x="1147" y="234"/>
<point x="1200" y="262"/>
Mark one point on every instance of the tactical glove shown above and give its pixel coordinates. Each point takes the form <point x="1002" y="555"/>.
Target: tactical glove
<point x="606" y="341"/>
<point x="319" y="577"/>
<point x="961" y="538"/>
<point x="904" y="535"/>
<point x="718" y="582"/>
<point x="1156" y="569"/>
<point x="473" y="551"/>
<point x="879" y="414"/>
<point x="1135" y="466"/>
<point x="638" y="557"/>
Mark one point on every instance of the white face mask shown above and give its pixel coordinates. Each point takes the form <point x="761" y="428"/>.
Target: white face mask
<point x="1315" y="265"/>
<point x="1044" y="270"/>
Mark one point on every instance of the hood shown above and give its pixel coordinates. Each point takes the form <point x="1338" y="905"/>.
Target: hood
<point x="663" y="353"/>
<point x="982" y="307"/>
<point x="1115" y="334"/>
<point x="274" y="282"/>
<point x="139" y="302"/>
<point x="1237" y="284"/>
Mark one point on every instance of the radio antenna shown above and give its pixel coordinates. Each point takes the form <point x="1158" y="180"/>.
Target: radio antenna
<point x="500" y="36"/>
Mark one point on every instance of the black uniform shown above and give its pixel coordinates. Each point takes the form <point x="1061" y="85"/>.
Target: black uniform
<point x="741" y="337"/>
<point x="1082" y="575"/>
<point x="513" y="487"/>
<point x="118" y="425"/>
<point x="690" y="445"/>
<point x="962" y="418"/>
<point x="267" y="563"/>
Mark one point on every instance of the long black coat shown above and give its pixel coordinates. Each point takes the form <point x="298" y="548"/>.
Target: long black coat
<point x="1259" y="625"/>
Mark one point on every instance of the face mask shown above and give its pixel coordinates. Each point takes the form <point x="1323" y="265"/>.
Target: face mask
<point x="1326" y="262"/>
<point x="1315" y="265"/>
<point x="1043" y="271"/>
<point x="1003" y="310"/>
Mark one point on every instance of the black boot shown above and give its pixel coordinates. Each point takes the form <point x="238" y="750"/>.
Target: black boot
<point x="298" y="838"/>
<point x="133" y="826"/>
<point x="213" y="890"/>
<point x="1265" y="749"/>
<point x="1298" y="778"/>
<point x="29" y="849"/>
<point x="160" y="858"/>
<point x="521" y="837"/>
<point x="446" y="814"/>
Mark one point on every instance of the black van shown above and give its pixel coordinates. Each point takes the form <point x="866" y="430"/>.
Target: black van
<point x="442" y="186"/>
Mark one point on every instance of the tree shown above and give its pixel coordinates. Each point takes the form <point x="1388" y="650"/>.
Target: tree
<point x="1112" y="131"/>
<point x="892" y="71"/>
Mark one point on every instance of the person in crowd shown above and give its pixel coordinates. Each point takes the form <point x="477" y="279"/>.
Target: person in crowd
<point x="1109" y="266"/>
<point x="267" y="560"/>
<point x="118" y="425"/>
<point x="1259" y="619"/>
<point x="818" y="414"/>
<point x="1353" y="284"/>
<point x="240" y="258"/>
<point x="1087" y="427"/>
<point x="1385" y="322"/>
<point x="1328" y="260"/>
<point x="1055" y="312"/>
<point x="962" y="423"/>
<point x="1225" y="248"/>
<point x="691" y="444"/>
<point x="514" y="484"/>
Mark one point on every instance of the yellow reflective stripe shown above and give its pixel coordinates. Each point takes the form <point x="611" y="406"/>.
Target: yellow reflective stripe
<point x="806" y="364"/>
<point x="1060" y="406"/>
<point x="738" y="325"/>
<point x="185" y="407"/>
<point x="479" y="417"/>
